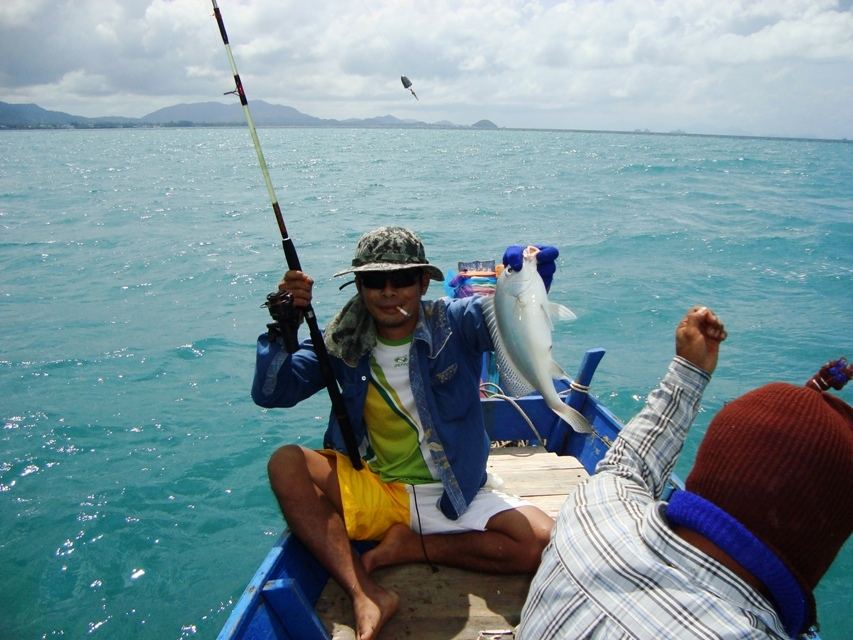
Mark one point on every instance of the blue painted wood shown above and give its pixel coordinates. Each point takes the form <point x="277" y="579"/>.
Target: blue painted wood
<point x="589" y="364"/>
<point x="293" y="610"/>
<point x="247" y="606"/>
<point x="264" y="625"/>
<point x="297" y="561"/>
<point x="578" y="395"/>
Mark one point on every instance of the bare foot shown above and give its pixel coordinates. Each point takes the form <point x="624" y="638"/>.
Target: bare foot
<point x="373" y="611"/>
<point x="399" y="545"/>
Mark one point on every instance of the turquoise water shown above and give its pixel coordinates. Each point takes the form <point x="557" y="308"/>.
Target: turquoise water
<point x="133" y="493"/>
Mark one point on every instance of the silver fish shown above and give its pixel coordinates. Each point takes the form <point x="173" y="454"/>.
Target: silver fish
<point x="519" y="317"/>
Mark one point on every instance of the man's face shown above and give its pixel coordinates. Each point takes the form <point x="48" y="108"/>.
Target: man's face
<point x="393" y="299"/>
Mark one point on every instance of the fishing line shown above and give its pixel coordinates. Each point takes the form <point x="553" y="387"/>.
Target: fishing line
<point x="421" y="530"/>
<point x="292" y="259"/>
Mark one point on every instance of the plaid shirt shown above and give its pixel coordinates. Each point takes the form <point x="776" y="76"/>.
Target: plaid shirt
<point x="614" y="569"/>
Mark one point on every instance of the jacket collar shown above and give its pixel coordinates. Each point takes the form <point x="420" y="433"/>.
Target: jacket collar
<point x="351" y="334"/>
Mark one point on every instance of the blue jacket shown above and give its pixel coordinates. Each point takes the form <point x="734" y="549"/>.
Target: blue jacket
<point x="444" y="367"/>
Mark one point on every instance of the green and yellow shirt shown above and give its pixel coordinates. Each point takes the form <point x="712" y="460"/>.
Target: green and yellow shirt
<point x="393" y="425"/>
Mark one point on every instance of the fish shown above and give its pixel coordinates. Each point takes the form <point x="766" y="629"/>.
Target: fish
<point x="520" y="320"/>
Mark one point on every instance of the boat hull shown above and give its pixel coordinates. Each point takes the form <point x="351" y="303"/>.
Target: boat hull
<point x="279" y="602"/>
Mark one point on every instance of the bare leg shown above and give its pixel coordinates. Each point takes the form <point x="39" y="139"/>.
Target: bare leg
<point x="512" y="543"/>
<point x="306" y="486"/>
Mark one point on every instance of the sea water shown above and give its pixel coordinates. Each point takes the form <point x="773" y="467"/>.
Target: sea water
<point x="133" y="263"/>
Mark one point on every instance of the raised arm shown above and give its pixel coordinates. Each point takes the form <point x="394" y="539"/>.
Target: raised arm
<point x="286" y="372"/>
<point x="648" y="446"/>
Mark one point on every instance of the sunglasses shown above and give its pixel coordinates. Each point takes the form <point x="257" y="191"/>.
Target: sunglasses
<point x="397" y="279"/>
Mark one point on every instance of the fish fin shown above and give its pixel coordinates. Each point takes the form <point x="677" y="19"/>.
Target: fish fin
<point x="556" y="310"/>
<point x="513" y="383"/>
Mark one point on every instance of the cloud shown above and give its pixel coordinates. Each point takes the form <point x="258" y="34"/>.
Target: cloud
<point x="15" y="13"/>
<point x="606" y="64"/>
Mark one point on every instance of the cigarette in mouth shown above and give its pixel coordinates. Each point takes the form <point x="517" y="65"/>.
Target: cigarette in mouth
<point x="403" y="311"/>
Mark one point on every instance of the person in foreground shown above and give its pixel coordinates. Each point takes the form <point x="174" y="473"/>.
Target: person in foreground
<point x="409" y="374"/>
<point x="766" y="508"/>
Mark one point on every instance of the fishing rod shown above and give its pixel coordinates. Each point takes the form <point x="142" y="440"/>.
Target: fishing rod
<point x="292" y="259"/>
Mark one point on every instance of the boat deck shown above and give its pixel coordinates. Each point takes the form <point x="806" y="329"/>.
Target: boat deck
<point x="458" y="604"/>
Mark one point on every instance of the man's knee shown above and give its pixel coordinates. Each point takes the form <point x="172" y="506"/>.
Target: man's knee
<point x="541" y="526"/>
<point x="285" y="460"/>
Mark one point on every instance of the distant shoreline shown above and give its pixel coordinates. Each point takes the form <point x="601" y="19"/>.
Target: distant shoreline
<point x="29" y="117"/>
<point x="420" y="126"/>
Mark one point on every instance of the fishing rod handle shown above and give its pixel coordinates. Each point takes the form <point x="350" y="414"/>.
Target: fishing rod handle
<point x="287" y="245"/>
<point x="338" y="406"/>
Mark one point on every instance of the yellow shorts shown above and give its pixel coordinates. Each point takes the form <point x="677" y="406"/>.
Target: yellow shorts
<point x="370" y="505"/>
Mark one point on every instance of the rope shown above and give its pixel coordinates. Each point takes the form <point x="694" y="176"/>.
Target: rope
<point x="577" y="386"/>
<point x="523" y="415"/>
<point x="501" y="396"/>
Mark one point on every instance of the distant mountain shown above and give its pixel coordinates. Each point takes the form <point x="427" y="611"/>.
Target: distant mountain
<point x="31" y="116"/>
<point x="18" y="115"/>
<point x="263" y="113"/>
<point x="381" y="121"/>
<point x="26" y="116"/>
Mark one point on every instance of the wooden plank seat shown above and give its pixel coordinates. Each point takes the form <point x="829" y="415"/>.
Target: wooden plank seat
<point x="458" y="604"/>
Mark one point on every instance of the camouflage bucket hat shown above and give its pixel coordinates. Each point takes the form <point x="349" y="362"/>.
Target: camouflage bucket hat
<point x="390" y="249"/>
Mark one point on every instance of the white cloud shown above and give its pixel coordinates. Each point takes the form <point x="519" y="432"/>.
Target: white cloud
<point x="14" y="13"/>
<point x="606" y="64"/>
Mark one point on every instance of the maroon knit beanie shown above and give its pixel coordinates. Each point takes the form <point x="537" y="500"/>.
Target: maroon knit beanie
<point x="779" y="459"/>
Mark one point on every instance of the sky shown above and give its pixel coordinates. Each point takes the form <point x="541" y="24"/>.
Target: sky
<point x="775" y="67"/>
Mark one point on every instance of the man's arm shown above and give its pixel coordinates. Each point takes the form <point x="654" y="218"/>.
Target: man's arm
<point x="648" y="446"/>
<point x="283" y="379"/>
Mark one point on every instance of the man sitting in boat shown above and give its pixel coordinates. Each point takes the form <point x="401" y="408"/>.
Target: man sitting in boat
<point x="736" y="554"/>
<point x="409" y="373"/>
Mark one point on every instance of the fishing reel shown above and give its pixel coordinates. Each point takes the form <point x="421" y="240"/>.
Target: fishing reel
<point x="287" y="319"/>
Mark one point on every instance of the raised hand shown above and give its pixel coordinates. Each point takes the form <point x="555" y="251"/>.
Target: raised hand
<point x="698" y="337"/>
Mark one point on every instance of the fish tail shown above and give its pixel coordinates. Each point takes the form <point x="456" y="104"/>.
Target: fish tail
<point x="573" y="417"/>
